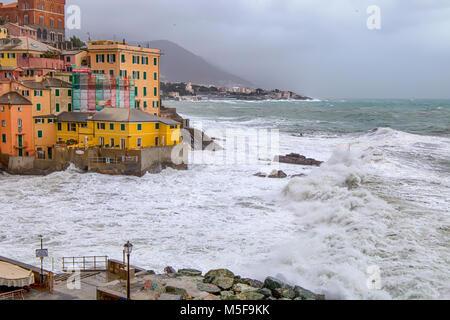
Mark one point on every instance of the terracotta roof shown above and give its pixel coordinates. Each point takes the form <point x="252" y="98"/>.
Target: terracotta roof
<point x="13" y="98"/>
<point x="110" y="114"/>
<point x="25" y="44"/>
<point x="46" y="84"/>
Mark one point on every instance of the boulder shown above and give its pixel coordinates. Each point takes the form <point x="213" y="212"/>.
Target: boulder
<point x="266" y="292"/>
<point x="294" y="158"/>
<point x="224" y="283"/>
<point x="166" y="296"/>
<point x="240" y="287"/>
<point x="250" y="295"/>
<point x="278" y="175"/>
<point x="169" y="270"/>
<point x="273" y="283"/>
<point x="253" y="283"/>
<point x="177" y="291"/>
<point x="286" y="292"/>
<point x="207" y="287"/>
<point x="208" y="279"/>
<point x="190" y="272"/>
<point x="220" y="273"/>
<point x="306" y="294"/>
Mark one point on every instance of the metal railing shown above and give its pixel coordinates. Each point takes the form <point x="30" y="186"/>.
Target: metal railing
<point x="118" y="160"/>
<point x="13" y="295"/>
<point x="90" y="263"/>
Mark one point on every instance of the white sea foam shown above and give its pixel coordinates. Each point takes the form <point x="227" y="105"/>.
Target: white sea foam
<point x="374" y="202"/>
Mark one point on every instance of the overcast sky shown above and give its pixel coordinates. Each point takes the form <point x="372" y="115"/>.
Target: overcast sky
<point x="321" y="48"/>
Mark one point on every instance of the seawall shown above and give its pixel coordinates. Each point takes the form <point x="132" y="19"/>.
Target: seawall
<point x="99" y="160"/>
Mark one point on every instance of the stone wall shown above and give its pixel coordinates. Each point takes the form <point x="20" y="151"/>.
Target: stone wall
<point x="100" y="160"/>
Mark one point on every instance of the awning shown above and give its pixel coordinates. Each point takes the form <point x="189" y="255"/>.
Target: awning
<point x="14" y="276"/>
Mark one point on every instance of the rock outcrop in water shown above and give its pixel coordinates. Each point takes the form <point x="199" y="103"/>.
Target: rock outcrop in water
<point x="276" y="174"/>
<point x="294" y="158"/>
<point x="220" y="284"/>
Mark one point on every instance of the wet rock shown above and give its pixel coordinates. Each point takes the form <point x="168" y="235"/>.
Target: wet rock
<point x="286" y="292"/>
<point x="224" y="283"/>
<point x="278" y="175"/>
<point x="261" y="175"/>
<point x="169" y="270"/>
<point x="253" y="283"/>
<point x="190" y="272"/>
<point x="166" y="296"/>
<point x="220" y="273"/>
<point x="294" y="158"/>
<point x="208" y="279"/>
<point x="229" y="298"/>
<point x="211" y="297"/>
<point x="306" y="294"/>
<point x="227" y="293"/>
<point x="240" y="287"/>
<point x="266" y="292"/>
<point x="207" y="287"/>
<point x="250" y="295"/>
<point x="177" y="291"/>
<point x="273" y="283"/>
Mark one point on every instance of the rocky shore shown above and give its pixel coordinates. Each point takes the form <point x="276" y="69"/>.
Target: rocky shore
<point x="220" y="284"/>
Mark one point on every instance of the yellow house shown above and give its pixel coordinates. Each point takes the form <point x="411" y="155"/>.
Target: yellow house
<point x="132" y="129"/>
<point x="73" y="129"/>
<point x="142" y="64"/>
<point x="117" y="128"/>
<point x="44" y="136"/>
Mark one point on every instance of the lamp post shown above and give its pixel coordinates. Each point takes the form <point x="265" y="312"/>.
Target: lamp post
<point x="127" y="248"/>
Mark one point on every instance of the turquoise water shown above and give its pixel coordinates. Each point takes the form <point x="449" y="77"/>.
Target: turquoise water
<point x="424" y="117"/>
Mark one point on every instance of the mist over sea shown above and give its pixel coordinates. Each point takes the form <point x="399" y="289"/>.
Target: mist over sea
<point x="382" y="198"/>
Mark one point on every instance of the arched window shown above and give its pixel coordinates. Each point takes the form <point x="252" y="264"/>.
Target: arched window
<point x="44" y="34"/>
<point x="39" y="33"/>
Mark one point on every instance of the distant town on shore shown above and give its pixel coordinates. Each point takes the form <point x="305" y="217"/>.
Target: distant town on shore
<point x="188" y="91"/>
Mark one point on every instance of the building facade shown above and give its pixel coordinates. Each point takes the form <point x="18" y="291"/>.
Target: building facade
<point x="45" y="16"/>
<point x="141" y="64"/>
<point x="16" y="128"/>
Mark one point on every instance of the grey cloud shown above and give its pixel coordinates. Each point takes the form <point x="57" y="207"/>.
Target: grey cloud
<point x="317" y="47"/>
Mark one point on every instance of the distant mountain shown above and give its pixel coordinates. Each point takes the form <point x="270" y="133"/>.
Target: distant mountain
<point x="181" y="65"/>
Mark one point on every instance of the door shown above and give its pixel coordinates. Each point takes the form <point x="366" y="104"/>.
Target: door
<point x="50" y="153"/>
<point x="122" y="144"/>
<point x="20" y="144"/>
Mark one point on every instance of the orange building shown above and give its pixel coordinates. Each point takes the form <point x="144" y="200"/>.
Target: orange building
<point x="16" y="128"/>
<point x="45" y="16"/>
<point x="142" y="64"/>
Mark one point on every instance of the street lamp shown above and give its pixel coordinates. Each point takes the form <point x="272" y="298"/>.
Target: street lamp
<point x="128" y="248"/>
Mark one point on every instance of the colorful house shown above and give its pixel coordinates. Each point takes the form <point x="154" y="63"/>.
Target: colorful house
<point x="44" y="129"/>
<point x="16" y="128"/>
<point x="72" y="129"/>
<point x="31" y="56"/>
<point x="133" y="129"/>
<point x="141" y="64"/>
<point x="116" y="128"/>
